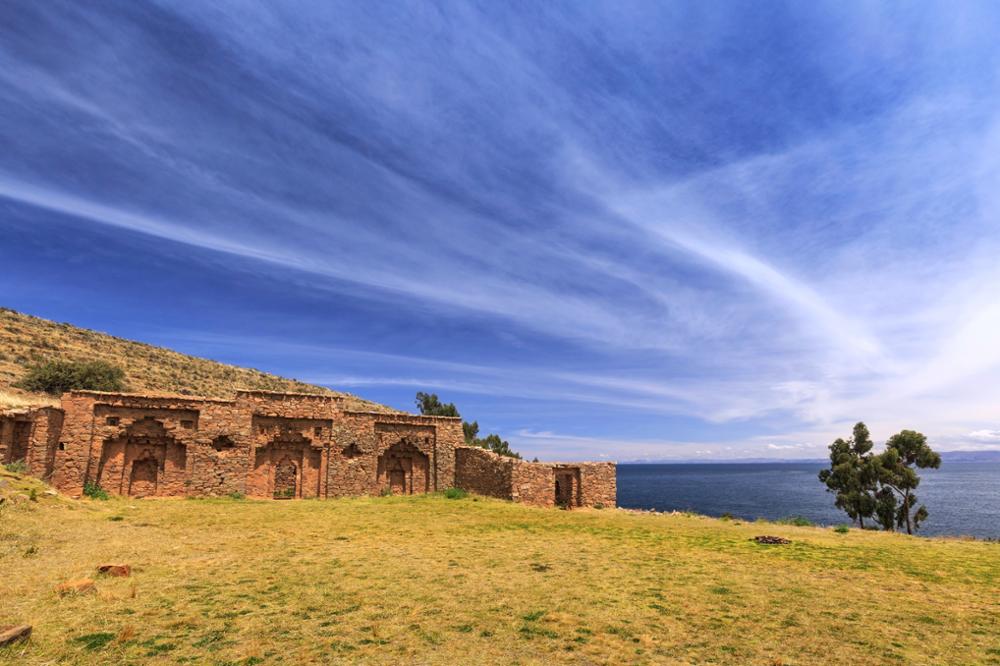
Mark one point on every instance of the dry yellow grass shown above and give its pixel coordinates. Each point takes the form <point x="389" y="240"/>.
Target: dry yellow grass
<point x="476" y="581"/>
<point x="27" y="340"/>
<point x="14" y="399"/>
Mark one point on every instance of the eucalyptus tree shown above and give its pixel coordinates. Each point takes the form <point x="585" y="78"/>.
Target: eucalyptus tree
<point x="429" y="404"/>
<point x="898" y="478"/>
<point x="852" y="474"/>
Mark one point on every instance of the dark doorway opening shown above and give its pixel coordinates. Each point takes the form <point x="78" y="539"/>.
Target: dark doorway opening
<point x="142" y="480"/>
<point x="285" y="479"/>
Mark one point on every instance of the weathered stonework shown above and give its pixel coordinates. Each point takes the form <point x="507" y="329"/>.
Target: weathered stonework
<point x="273" y="445"/>
<point x="31" y="436"/>
<point x="541" y="484"/>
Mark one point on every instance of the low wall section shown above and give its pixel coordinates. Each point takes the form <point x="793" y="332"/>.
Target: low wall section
<point x="580" y="484"/>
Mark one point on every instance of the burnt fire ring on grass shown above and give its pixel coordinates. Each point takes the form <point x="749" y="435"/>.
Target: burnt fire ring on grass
<point x="771" y="540"/>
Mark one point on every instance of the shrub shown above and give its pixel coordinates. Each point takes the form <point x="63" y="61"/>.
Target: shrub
<point x="841" y="529"/>
<point x="57" y="377"/>
<point x="237" y="496"/>
<point x="799" y="521"/>
<point x="599" y="505"/>
<point x="16" y="467"/>
<point x="455" y="493"/>
<point x="94" y="491"/>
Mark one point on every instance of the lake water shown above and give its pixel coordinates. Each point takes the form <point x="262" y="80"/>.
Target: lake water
<point x="962" y="498"/>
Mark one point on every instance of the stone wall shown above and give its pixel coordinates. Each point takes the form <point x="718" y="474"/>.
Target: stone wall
<point x="31" y="436"/>
<point x="598" y="484"/>
<point x="273" y="445"/>
<point x="15" y="435"/>
<point x="540" y="484"/>
<point x="484" y="472"/>
<point x="45" y="441"/>
<point x="534" y="483"/>
<point x="260" y="444"/>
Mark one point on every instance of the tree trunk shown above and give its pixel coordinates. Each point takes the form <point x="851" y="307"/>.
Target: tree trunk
<point x="861" y="520"/>
<point x="906" y="508"/>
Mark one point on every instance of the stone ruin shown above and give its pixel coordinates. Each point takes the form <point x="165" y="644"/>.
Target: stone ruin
<point x="274" y="445"/>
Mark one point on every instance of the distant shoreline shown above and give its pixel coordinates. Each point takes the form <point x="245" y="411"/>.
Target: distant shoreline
<point x="947" y="456"/>
<point x="963" y="496"/>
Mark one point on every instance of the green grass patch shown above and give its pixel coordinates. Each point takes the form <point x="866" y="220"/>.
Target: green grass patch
<point x="94" y="641"/>
<point x="16" y="467"/>
<point x="94" y="491"/>
<point x="798" y="521"/>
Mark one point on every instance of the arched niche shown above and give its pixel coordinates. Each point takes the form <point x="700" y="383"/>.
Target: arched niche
<point x="287" y="467"/>
<point x="403" y="469"/>
<point x="144" y="459"/>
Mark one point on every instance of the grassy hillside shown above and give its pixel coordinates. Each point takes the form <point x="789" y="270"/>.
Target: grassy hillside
<point x="26" y="340"/>
<point x="475" y="581"/>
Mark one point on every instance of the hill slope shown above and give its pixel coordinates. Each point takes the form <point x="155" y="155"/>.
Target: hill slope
<point x="26" y="340"/>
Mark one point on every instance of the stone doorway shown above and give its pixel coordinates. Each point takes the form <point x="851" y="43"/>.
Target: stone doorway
<point x="19" y="447"/>
<point x="403" y="469"/>
<point x="142" y="480"/>
<point x="567" y="488"/>
<point x="397" y="480"/>
<point x="285" y="479"/>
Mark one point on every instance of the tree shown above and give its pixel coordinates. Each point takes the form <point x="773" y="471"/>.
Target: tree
<point x="471" y="431"/>
<point x="57" y="377"/>
<point x="496" y="445"/>
<point x="885" y="508"/>
<point x="852" y="475"/>
<point x="898" y="477"/>
<point x="430" y="405"/>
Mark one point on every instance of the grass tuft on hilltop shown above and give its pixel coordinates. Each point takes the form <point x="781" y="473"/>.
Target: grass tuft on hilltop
<point x="427" y="579"/>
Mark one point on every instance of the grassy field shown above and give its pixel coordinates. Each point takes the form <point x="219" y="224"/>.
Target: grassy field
<point x="435" y="580"/>
<point x="27" y="340"/>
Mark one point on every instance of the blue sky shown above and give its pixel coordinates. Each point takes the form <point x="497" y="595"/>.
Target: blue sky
<point x="632" y="230"/>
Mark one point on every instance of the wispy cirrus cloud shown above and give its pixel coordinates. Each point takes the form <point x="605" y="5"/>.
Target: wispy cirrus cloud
<point x="550" y="214"/>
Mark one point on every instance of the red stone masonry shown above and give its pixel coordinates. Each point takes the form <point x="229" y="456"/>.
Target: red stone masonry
<point x="274" y="445"/>
<point x="30" y="436"/>
<point x="541" y="484"/>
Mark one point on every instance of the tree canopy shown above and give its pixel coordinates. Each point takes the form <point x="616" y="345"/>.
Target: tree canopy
<point x="852" y="474"/>
<point x="430" y="405"/>
<point x="881" y="485"/>
<point x="904" y="452"/>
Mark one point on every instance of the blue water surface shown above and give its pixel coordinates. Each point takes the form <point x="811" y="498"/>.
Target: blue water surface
<point x="963" y="498"/>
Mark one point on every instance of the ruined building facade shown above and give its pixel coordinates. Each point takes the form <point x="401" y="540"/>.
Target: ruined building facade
<point x="273" y="445"/>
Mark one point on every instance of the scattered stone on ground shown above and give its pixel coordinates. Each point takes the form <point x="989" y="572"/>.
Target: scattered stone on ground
<point x="116" y="570"/>
<point x="774" y="540"/>
<point x="78" y="586"/>
<point x="14" y="634"/>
